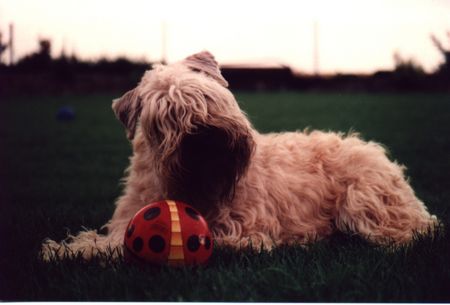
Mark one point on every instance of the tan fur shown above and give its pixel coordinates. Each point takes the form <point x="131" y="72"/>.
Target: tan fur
<point x="192" y="142"/>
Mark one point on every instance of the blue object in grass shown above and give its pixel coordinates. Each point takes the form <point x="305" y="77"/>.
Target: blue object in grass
<point x="65" y="113"/>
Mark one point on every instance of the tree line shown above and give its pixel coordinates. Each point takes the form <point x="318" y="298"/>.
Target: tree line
<point x="40" y="73"/>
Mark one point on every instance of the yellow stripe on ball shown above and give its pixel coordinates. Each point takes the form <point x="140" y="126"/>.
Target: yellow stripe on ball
<point x="176" y="253"/>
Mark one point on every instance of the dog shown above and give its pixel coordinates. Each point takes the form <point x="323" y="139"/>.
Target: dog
<point x="191" y="142"/>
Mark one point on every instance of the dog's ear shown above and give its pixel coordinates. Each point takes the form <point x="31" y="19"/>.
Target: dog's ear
<point x="128" y="109"/>
<point x="205" y="62"/>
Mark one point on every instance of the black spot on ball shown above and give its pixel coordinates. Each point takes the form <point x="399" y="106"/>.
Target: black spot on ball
<point x="130" y="231"/>
<point x="156" y="243"/>
<point x="192" y="213"/>
<point x="207" y="243"/>
<point x="152" y="213"/>
<point x="138" y="243"/>
<point x="193" y="243"/>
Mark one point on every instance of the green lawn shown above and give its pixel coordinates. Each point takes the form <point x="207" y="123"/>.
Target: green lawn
<point x="58" y="177"/>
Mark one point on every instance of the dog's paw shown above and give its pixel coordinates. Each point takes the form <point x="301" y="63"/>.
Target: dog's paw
<point x="51" y="250"/>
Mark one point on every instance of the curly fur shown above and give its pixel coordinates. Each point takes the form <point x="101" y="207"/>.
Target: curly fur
<point x="192" y="142"/>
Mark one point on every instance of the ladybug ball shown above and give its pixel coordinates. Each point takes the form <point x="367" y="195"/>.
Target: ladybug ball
<point x="168" y="232"/>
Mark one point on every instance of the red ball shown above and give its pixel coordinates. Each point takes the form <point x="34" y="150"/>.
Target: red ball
<point x="168" y="232"/>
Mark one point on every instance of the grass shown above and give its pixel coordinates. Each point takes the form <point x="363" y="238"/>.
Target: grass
<point x="57" y="177"/>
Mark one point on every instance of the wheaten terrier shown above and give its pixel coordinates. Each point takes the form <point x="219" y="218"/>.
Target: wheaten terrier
<point x="192" y="142"/>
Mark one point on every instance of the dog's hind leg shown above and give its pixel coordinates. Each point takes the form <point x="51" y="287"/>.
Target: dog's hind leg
<point x="392" y="216"/>
<point x="379" y="203"/>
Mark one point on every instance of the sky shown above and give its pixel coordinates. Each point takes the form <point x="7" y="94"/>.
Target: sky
<point x="353" y="36"/>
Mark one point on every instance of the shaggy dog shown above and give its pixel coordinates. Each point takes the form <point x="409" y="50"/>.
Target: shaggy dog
<point x="192" y="142"/>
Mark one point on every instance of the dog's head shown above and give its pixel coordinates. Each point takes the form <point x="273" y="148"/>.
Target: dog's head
<point x="192" y="123"/>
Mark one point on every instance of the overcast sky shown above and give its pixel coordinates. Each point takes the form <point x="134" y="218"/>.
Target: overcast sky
<point x="353" y="35"/>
